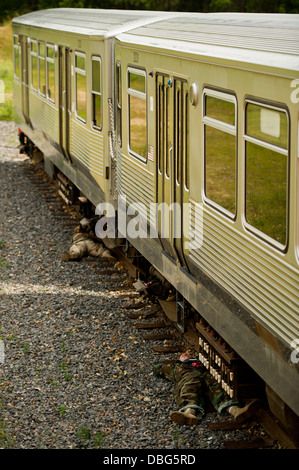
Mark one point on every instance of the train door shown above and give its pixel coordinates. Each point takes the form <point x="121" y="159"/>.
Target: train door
<point x="64" y="100"/>
<point x="172" y="163"/>
<point x="24" y="78"/>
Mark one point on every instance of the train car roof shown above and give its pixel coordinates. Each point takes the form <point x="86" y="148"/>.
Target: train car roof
<point x="88" y="21"/>
<point x="256" y="38"/>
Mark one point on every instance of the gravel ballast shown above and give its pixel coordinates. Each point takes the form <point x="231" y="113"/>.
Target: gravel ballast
<point x="74" y="373"/>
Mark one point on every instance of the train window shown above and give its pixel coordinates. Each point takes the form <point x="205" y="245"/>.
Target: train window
<point x="266" y="141"/>
<point x="80" y="81"/>
<point x="219" y="118"/>
<point x="220" y="109"/>
<point x="118" y="102"/>
<point x="180" y="132"/>
<point x="17" y="57"/>
<point x="178" y="144"/>
<point x="267" y="125"/>
<point x="137" y="113"/>
<point x="96" y="93"/>
<point x="163" y="96"/>
<point x="33" y="46"/>
<point x="186" y="139"/>
<point x="167" y="119"/>
<point x="34" y="65"/>
<point x="50" y="71"/>
<point x="42" y="67"/>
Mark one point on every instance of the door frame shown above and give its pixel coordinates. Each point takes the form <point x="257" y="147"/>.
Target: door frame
<point x="25" y="76"/>
<point x="64" y="54"/>
<point x="172" y="115"/>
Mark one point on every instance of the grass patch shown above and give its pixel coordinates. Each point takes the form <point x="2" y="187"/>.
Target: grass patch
<point x="3" y="264"/>
<point x="6" y="73"/>
<point x="85" y="439"/>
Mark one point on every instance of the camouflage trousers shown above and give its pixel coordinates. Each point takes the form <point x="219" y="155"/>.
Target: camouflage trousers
<point x="83" y="246"/>
<point x="193" y="387"/>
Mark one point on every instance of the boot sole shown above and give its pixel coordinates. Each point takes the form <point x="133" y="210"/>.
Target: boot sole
<point x="180" y="418"/>
<point x="249" y="413"/>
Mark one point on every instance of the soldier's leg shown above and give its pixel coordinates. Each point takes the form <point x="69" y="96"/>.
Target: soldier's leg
<point x="98" y="250"/>
<point x="189" y="391"/>
<point x="76" y="251"/>
<point x="80" y="249"/>
<point x="223" y="403"/>
<point x="216" y="395"/>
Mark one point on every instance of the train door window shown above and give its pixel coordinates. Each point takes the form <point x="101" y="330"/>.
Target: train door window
<point x="163" y="91"/>
<point x="50" y="70"/>
<point x="137" y="113"/>
<point x="181" y="130"/>
<point x="178" y="141"/>
<point x="219" y="118"/>
<point x="80" y="82"/>
<point x="34" y="65"/>
<point x="17" y="57"/>
<point x="118" y="102"/>
<point x="42" y="67"/>
<point x="186" y="139"/>
<point x="96" y="93"/>
<point x="266" y="140"/>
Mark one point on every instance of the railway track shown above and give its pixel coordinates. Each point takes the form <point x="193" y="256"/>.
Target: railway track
<point x="154" y="320"/>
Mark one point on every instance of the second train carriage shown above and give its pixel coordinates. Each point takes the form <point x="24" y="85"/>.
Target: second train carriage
<point x="205" y="121"/>
<point x="216" y="138"/>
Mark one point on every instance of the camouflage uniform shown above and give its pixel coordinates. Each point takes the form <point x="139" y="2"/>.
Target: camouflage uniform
<point x="193" y="386"/>
<point x="83" y="245"/>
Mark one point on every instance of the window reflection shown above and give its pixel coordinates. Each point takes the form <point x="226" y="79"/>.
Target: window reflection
<point x="137" y="82"/>
<point x="81" y="95"/>
<point x="42" y="68"/>
<point x="17" y="57"/>
<point x="221" y="168"/>
<point x="220" y="150"/>
<point x="220" y="109"/>
<point x="137" y="113"/>
<point x="80" y="80"/>
<point x="267" y="124"/>
<point x="50" y="73"/>
<point x="138" y="138"/>
<point x="34" y="65"/>
<point x="118" y="103"/>
<point x="34" y="73"/>
<point x="267" y="171"/>
<point x="96" y="92"/>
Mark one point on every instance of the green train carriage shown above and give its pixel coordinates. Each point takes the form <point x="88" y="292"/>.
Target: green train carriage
<point x="198" y="112"/>
<point x="217" y="101"/>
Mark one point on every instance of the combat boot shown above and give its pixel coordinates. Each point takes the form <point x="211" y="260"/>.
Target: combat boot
<point x="185" y="417"/>
<point x="242" y="414"/>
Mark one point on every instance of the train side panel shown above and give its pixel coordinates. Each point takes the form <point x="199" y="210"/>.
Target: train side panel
<point x="60" y="118"/>
<point x="239" y="271"/>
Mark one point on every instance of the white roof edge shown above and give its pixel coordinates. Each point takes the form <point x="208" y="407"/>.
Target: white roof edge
<point x="272" y="60"/>
<point x="146" y="17"/>
<point x="136" y="24"/>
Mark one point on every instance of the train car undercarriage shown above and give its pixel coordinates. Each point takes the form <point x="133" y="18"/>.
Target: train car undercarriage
<point x="234" y="374"/>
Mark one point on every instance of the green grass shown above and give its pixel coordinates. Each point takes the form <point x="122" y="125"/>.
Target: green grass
<point x="6" y="72"/>
<point x="3" y="264"/>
